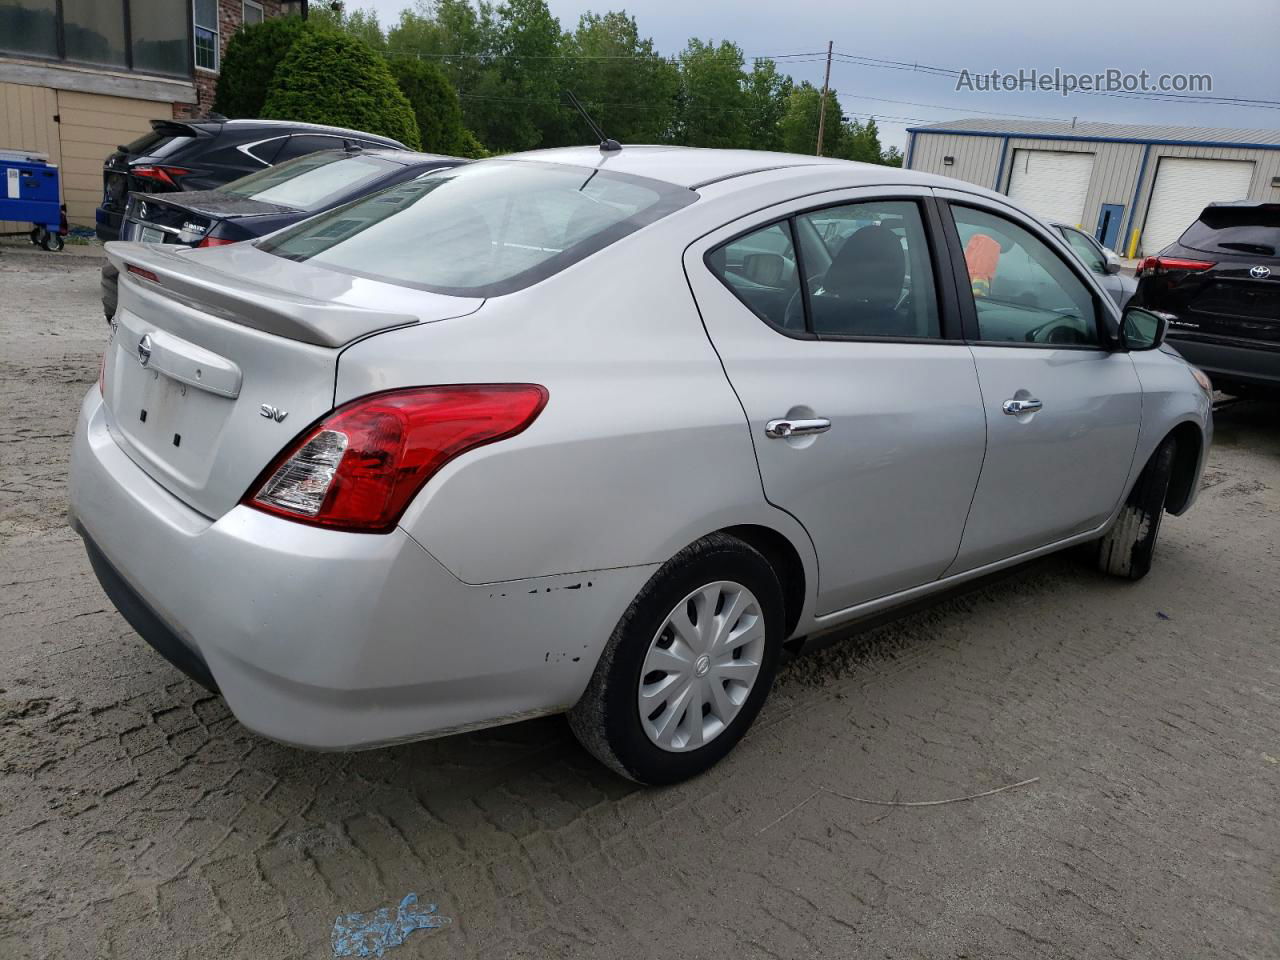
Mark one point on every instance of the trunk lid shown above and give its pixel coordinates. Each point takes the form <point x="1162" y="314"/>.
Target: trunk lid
<point x="220" y="357"/>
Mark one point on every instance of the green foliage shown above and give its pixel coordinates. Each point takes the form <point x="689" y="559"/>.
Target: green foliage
<point x="799" y="125"/>
<point x="435" y="106"/>
<point x="768" y="94"/>
<point x="330" y="77"/>
<point x="626" y="86"/>
<point x="711" y="104"/>
<point x="253" y="53"/>
<point x="361" y="24"/>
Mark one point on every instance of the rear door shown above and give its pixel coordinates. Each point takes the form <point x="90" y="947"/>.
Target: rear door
<point x="1062" y="410"/>
<point x="862" y="401"/>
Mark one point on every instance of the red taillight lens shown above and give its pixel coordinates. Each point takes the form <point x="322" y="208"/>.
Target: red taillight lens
<point x="359" y="467"/>
<point x="1155" y="265"/>
<point x="166" y="175"/>
<point x="214" y="242"/>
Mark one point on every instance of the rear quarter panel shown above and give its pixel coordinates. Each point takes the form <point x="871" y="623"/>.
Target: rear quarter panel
<point x="642" y="448"/>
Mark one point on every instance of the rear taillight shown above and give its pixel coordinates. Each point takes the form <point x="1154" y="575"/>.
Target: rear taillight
<point x="166" y="175"/>
<point x="360" y="466"/>
<point x="1155" y="265"/>
<point x="139" y="272"/>
<point x="214" y="242"/>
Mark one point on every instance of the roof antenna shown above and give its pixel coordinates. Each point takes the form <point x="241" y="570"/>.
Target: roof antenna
<point x="606" y="145"/>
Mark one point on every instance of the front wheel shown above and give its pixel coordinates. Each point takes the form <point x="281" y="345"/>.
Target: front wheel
<point x="1129" y="545"/>
<point x="688" y="666"/>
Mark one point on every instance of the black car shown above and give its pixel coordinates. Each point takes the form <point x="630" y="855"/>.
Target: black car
<point x="182" y="155"/>
<point x="263" y="202"/>
<point x="1221" y="283"/>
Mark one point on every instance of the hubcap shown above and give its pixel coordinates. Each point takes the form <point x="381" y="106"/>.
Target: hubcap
<point x="701" y="666"/>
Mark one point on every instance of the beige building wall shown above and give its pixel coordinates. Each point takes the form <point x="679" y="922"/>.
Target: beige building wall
<point x="92" y="127"/>
<point x="26" y="123"/>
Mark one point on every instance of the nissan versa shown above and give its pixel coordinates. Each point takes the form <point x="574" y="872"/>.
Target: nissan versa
<point x="597" y="431"/>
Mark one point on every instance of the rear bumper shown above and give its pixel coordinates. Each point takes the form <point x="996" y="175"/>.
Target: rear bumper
<point x="326" y="639"/>
<point x="1255" y="366"/>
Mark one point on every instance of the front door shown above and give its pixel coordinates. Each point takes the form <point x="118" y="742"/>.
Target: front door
<point x="1062" y="409"/>
<point x="1109" y="224"/>
<point x="861" y="397"/>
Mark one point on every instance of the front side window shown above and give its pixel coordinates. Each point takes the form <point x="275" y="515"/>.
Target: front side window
<point x="204" y="17"/>
<point x="1023" y="292"/>
<point x="1083" y="248"/>
<point x="866" y="266"/>
<point x="483" y="229"/>
<point x="311" y="182"/>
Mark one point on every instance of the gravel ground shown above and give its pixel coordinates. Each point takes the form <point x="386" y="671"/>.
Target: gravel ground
<point x="137" y="819"/>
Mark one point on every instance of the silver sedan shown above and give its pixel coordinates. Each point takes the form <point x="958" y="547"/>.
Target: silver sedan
<point x="599" y="431"/>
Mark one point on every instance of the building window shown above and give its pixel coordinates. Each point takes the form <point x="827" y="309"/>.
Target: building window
<point x="204" y="17"/>
<point x="148" y="36"/>
<point x="252" y="13"/>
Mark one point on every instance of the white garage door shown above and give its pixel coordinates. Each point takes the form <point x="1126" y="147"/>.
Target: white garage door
<point x="1183" y="188"/>
<point x="1050" y="184"/>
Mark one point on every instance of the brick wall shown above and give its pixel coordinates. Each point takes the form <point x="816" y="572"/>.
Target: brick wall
<point x="230" y="16"/>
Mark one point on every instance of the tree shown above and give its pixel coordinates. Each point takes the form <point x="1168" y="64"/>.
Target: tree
<point x="860" y="142"/>
<point x="891" y="157"/>
<point x="253" y="53"/>
<point x="435" y="106"/>
<point x="362" y="24"/>
<point x="799" y="125"/>
<point x="711" y="104"/>
<point x="328" y="77"/>
<point x="626" y="86"/>
<point x="767" y="94"/>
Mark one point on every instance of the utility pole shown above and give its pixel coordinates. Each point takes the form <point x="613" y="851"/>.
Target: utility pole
<point x="822" y="104"/>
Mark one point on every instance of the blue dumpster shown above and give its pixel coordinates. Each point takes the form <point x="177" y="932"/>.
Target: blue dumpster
<point x="29" y="192"/>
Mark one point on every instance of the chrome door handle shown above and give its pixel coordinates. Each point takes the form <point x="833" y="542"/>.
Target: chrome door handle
<point x="1015" y="407"/>
<point x="781" y="429"/>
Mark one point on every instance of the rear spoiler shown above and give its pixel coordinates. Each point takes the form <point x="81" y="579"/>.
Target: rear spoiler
<point x="324" y="323"/>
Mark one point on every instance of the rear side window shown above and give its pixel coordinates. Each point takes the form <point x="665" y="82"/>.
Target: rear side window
<point x="303" y="144"/>
<point x="866" y="267"/>
<point x="1237" y="229"/>
<point x="760" y="268"/>
<point x="311" y="182"/>
<point x="480" y="230"/>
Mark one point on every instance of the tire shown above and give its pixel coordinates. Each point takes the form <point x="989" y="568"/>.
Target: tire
<point x="52" y="242"/>
<point x="1129" y="545"/>
<point x="608" y="719"/>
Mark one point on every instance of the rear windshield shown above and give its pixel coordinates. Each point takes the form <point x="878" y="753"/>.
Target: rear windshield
<point x="157" y="143"/>
<point x="480" y="230"/>
<point x="311" y="182"/>
<point x="1237" y="229"/>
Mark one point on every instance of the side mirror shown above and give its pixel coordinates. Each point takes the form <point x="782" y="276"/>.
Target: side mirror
<point x="1113" y="262"/>
<point x="1142" y="329"/>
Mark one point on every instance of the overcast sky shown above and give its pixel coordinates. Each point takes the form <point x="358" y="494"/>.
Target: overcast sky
<point x="1236" y="41"/>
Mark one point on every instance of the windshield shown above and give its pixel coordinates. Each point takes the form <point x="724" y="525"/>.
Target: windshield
<point x="483" y="229"/>
<point x="311" y="182"/>
<point x="1238" y="229"/>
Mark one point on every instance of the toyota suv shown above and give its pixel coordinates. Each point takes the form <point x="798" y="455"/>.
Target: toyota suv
<point x="1220" y="282"/>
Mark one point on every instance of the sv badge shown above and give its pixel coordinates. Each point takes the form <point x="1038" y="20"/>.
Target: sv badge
<point x="273" y="413"/>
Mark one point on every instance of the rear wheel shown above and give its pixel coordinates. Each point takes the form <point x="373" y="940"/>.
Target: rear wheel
<point x="1129" y="545"/>
<point x="688" y="666"/>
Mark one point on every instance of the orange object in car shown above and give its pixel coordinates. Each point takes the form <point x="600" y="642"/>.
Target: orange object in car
<point x="982" y="256"/>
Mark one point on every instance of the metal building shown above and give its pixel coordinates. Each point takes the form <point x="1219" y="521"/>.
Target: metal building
<point x="1135" y="187"/>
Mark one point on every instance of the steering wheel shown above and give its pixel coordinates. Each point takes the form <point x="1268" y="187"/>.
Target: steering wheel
<point x="1057" y="331"/>
<point x="793" y="316"/>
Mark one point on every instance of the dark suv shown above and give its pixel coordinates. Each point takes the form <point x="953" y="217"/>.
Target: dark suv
<point x="202" y="154"/>
<point x="1221" y="283"/>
